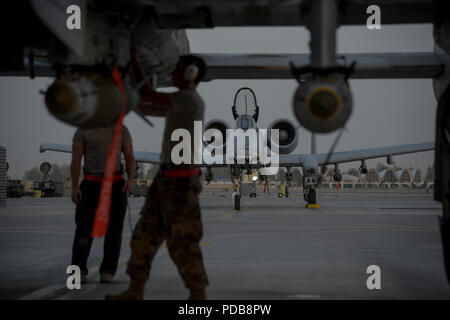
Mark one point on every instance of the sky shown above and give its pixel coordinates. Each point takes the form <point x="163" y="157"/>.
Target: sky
<point x="385" y="112"/>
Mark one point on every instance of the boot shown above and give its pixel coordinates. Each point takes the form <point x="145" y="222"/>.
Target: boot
<point x="134" y="292"/>
<point x="197" y="294"/>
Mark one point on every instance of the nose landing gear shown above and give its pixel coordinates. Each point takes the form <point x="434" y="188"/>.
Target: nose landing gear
<point x="309" y="191"/>
<point x="236" y="197"/>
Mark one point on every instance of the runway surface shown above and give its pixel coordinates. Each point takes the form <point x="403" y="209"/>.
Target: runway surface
<point x="271" y="249"/>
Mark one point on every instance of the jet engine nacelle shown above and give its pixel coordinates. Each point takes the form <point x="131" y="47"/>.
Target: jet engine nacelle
<point x="220" y="125"/>
<point x="88" y="101"/>
<point x="287" y="134"/>
<point x="323" y="104"/>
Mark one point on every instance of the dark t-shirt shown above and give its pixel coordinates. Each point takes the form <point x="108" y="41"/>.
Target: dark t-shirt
<point x="187" y="107"/>
<point x="96" y="143"/>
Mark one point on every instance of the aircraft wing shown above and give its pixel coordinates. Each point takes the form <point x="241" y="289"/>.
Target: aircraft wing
<point x="154" y="158"/>
<point x="139" y="156"/>
<point x="395" y="65"/>
<point x="297" y="160"/>
<point x="285" y="160"/>
<point x="405" y="65"/>
<point x="291" y="160"/>
<point x="207" y="13"/>
<point x="356" y="155"/>
<point x="47" y="18"/>
<point x="55" y="147"/>
<point x="147" y="157"/>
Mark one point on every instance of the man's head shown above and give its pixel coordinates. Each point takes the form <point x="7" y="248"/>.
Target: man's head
<point x="189" y="71"/>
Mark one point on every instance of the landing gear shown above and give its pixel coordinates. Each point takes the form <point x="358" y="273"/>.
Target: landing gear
<point x="309" y="191"/>
<point x="284" y="191"/>
<point x="235" y="174"/>
<point x="253" y="195"/>
<point x="236" y="201"/>
<point x="337" y="176"/>
<point x="310" y="195"/>
<point x="288" y="181"/>
<point x="363" y="167"/>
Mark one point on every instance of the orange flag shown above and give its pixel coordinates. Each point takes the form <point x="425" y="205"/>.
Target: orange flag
<point x="102" y="213"/>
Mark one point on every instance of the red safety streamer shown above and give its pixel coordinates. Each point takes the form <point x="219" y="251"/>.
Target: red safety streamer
<point x="102" y="213"/>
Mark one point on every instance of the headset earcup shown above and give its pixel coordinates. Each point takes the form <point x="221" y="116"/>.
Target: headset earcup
<point x="191" y="72"/>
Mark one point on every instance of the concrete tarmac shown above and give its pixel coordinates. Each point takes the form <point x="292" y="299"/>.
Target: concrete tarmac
<point x="271" y="249"/>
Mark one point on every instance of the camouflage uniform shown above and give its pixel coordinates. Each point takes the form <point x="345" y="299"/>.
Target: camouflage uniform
<point x="172" y="213"/>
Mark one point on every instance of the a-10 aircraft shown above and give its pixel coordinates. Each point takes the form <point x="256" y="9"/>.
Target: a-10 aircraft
<point x="81" y="52"/>
<point x="246" y="112"/>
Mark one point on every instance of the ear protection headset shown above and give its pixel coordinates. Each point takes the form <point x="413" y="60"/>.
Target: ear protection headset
<point x="233" y="108"/>
<point x="190" y="72"/>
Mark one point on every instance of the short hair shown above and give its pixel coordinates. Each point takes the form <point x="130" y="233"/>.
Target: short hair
<point x="196" y="61"/>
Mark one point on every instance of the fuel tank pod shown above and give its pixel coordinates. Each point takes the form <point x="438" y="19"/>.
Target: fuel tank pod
<point x="323" y="105"/>
<point x="87" y="101"/>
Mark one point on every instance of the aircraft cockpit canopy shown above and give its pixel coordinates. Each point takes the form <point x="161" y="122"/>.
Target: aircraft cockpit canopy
<point x="245" y="104"/>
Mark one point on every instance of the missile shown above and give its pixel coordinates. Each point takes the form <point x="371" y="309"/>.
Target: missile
<point x="323" y="104"/>
<point x="88" y="100"/>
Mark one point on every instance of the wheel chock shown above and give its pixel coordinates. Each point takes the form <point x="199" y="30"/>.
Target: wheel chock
<point x="309" y="206"/>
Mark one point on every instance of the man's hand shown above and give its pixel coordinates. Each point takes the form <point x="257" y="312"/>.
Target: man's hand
<point x="127" y="186"/>
<point x="153" y="103"/>
<point x="76" y="195"/>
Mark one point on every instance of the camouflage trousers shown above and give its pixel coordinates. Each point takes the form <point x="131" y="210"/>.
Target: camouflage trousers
<point x="172" y="213"/>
